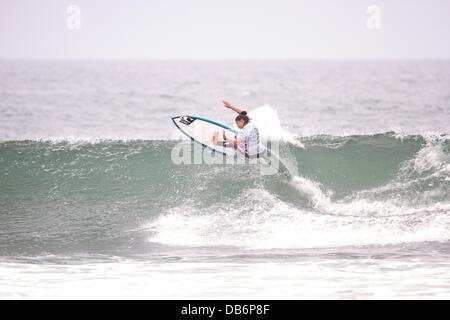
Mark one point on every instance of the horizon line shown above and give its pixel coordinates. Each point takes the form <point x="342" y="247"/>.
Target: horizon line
<point x="222" y="59"/>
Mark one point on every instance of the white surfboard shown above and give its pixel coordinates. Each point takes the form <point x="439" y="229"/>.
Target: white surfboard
<point x="203" y="131"/>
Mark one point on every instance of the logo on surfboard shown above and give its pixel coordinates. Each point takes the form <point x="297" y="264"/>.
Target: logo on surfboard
<point x="187" y="120"/>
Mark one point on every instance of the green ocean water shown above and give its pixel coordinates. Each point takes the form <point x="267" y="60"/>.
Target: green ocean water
<point x="66" y="196"/>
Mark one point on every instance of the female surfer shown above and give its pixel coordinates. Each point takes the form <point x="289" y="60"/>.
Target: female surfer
<point x="247" y="140"/>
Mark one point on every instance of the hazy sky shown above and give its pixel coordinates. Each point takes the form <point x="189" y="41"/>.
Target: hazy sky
<point x="228" y="29"/>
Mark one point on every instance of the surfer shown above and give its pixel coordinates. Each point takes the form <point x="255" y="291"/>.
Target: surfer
<point x="247" y="140"/>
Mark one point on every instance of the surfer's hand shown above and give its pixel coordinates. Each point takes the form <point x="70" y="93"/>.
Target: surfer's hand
<point x="226" y="104"/>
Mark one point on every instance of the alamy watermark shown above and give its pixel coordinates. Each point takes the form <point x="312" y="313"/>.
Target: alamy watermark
<point x="73" y="21"/>
<point x="373" y="21"/>
<point x="188" y="152"/>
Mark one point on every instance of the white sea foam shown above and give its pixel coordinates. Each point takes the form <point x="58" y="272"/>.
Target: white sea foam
<point x="269" y="125"/>
<point x="271" y="223"/>
<point x="324" y="277"/>
<point x="267" y="120"/>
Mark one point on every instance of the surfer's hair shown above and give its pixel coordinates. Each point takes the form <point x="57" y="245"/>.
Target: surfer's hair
<point x="243" y="116"/>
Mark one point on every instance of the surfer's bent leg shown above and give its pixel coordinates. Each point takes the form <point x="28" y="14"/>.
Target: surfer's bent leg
<point x="217" y="142"/>
<point x="215" y="138"/>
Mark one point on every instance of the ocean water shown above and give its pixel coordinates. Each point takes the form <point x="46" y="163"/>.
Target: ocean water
<point x="92" y="204"/>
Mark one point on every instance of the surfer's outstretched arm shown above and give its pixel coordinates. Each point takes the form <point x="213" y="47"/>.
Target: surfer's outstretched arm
<point x="229" y="106"/>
